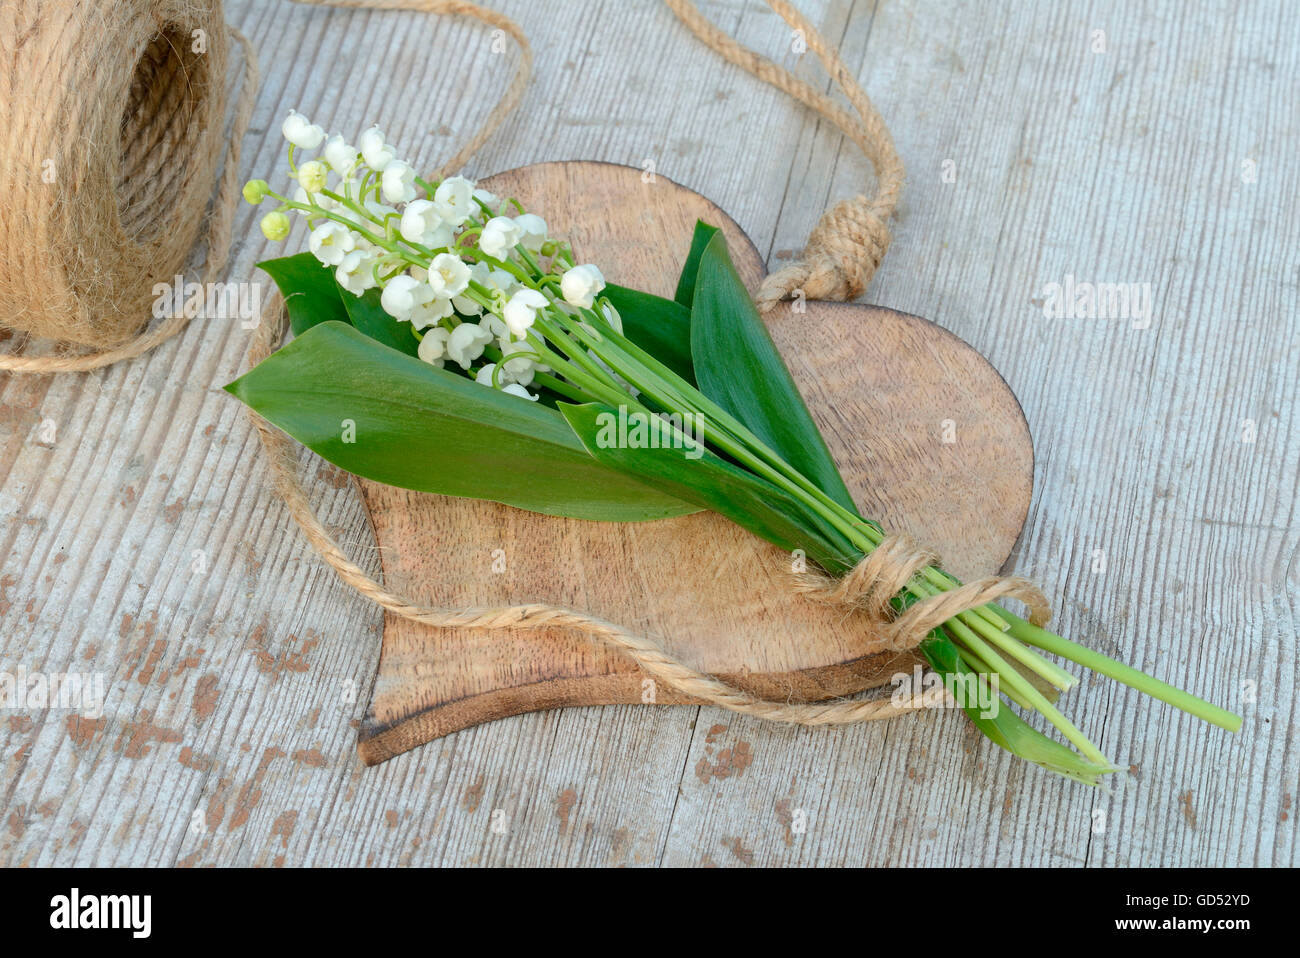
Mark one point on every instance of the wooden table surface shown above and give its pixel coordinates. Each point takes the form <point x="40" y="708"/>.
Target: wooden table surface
<point x="141" y="541"/>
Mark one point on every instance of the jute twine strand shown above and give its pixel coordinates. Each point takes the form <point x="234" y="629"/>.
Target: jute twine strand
<point x="849" y="241"/>
<point x="868" y="587"/>
<point x="460" y="8"/>
<point x="64" y="287"/>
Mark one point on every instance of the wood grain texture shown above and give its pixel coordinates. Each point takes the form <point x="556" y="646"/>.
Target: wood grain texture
<point x="884" y="388"/>
<point x="225" y="736"/>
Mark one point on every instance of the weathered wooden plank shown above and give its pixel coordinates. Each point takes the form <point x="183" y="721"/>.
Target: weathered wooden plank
<point x="228" y="689"/>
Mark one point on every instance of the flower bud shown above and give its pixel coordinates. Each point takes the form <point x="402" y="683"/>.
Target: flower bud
<point x="255" y="191"/>
<point x="612" y="315"/>
<point x="275" y="226"/>
<point x="311" y="176"/>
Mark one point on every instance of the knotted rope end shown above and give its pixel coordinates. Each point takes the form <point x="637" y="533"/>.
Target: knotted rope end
<point x="843" y="253"/>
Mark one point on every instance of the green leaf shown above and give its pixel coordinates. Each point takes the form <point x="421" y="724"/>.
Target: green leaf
<point x="1007" y="729"/>
<point x="311" y="294"/>
<point x="674" y="462"/>
<point x="423" y="428"/>
<point x="700" y="240"/>
<point x="738" y="367"/>
<point x="371" y="318"/>
<point x="660" y="326"/>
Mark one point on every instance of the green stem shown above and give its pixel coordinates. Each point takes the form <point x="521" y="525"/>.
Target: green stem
<point x="1050" y="642"/>
<point x="1014" y="680"/>
<point x="564" y="387"/>
<point x="983" y="670"/>
<point x="1027" y="657"/>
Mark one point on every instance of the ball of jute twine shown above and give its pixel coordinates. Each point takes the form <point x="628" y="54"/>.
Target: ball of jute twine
<point x="842" y="254"/>
<point x="114" y="126"/>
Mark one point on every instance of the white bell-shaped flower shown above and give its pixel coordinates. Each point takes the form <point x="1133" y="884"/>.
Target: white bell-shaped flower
<point x="581" y="285"/>
<point x="448" y="275"/>
<point x="466" y="344"/>
<point x="480" y="273"/>
<point x="454" y="199"/>
<point x="402" y="294"/>
<point x="515" y="389"/>
<point x="490" y="200"/>
<point x="430" y="313"/>
<point x="433" y="347"/>
<point x="521" y="311"/>
<point x="375" y="149"/>
<point x="489" y="372"/>
<point x="517" y="369"/>
<point x="355" y="271"/>
<point x="301" y="132"/>
<point x="398" y="182"/>
<point x="340" y="155"/>
<point x="532" y="231"/>
<point x="500" y="235"/>
<point x="421" y="224"/>
<point x="330" y="242"/>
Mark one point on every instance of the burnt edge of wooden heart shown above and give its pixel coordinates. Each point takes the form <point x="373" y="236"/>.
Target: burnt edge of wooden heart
<point x="379" y="741"/>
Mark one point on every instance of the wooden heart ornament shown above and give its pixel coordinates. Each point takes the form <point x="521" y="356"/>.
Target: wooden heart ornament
<point x="929" y="438"/>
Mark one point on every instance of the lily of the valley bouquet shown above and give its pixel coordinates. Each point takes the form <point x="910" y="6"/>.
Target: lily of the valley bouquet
<point x="481" y="359"/>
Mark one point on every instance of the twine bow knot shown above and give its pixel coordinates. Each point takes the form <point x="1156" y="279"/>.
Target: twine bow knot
<point x="884" y="572"/>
